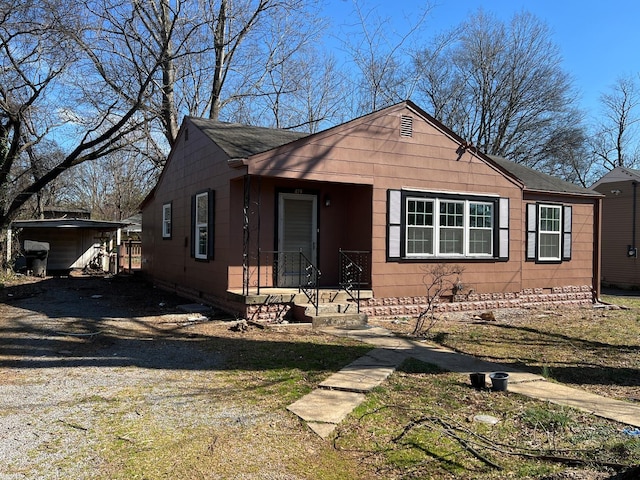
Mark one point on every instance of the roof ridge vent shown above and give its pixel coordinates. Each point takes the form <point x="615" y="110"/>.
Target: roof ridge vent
<point x="406" y="126"/>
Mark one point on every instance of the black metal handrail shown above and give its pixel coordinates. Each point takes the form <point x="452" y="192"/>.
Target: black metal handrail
<point x="311" y="285"/>
<point x="351" y="270"/>
<point x="273" y="265"/>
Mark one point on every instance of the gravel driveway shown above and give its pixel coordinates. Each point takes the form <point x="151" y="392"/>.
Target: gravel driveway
<point x="87" y="362"/>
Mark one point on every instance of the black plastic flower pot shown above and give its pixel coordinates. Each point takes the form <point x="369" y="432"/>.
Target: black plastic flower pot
<point x="478" y="380"/>
<point x="499" y="381"/>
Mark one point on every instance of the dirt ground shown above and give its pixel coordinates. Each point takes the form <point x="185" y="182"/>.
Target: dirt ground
<point x="90" y="362"/>
<point x="91" y="367"/>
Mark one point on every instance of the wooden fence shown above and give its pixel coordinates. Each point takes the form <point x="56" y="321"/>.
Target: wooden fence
<point x="130" y="256"/>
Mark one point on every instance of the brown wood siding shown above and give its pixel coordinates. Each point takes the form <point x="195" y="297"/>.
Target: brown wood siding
<point x="580" y="269"/>
<point x="355" y="164"/>
<point x="371" y="151"/>
<point x="195" y="165"/>
<point x="618" y="268"/>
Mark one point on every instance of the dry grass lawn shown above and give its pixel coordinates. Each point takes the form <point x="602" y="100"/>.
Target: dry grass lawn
<point x="159" y="398"/>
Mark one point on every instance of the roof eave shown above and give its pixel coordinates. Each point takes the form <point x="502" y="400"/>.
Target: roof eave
<point x="563" y="194"/>
<point x="238" y="162"/>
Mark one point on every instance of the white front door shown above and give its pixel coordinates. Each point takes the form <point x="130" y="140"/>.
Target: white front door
<point x="297" y="231"/>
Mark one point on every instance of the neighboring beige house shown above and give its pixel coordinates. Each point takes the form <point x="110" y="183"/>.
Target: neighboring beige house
<point x="367" y="205"/>
<point x="620" y="227"/>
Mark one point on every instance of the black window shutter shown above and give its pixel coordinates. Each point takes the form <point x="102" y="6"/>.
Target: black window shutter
<point x="192" y="236"/>
<point x="566" y="232"/>
<point x="394" y="223"/>
<point x="532" y="231"/>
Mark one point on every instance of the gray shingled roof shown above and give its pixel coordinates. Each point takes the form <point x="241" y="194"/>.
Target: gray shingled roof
<point x="538" y="181"/>
<point x="242" y="141"/>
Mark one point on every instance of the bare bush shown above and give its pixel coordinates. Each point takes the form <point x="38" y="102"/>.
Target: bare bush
<point x="439" y="279"/>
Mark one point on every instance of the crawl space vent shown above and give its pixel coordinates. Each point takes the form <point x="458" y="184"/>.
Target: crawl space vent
<point x="406" y="126"/>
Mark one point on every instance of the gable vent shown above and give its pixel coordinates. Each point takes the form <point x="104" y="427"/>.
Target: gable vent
<point x="406" y="126"/>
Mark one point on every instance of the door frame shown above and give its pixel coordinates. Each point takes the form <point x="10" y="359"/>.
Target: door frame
<point x="280" y="240"/>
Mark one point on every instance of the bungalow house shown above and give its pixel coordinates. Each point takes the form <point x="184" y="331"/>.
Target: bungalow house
<point x="240" y="215"/>
<point x="620" y="224"/>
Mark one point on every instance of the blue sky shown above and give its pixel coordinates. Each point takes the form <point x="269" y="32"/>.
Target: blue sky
<point x="598" y="39"/>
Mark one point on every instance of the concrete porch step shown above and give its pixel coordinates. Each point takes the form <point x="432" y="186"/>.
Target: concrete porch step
<point x="350" y="320"/>
<point x="329" y="314"/>
<point x="308" y="309"/>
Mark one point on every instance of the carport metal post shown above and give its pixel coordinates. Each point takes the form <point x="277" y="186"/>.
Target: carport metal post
<point x="7" y="255"/>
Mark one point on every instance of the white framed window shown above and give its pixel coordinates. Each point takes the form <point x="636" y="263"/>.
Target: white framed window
<point x="451" y="228"/>
<point x="166" y="220"/>
<point x="202" y="224"/>
<point x="420" y="228"/>
<point x="549" y="232"/>
<point x="201" y="234"/>
<point x="448" y="227"/>
<point x="481" y="227"/>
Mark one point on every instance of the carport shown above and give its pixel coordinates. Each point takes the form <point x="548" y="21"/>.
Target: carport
<point x="75" y="244"/>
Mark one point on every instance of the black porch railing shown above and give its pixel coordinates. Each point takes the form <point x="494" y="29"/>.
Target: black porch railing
<point x="353" y="275"/>
<point x="289" y="270"/>
<point x="310" y="285"/>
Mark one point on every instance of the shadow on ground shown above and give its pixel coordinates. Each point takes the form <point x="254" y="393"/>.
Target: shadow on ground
<point x="123" y="321"/>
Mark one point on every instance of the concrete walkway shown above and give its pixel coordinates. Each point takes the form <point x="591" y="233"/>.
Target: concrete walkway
<point x="325" y="407"/>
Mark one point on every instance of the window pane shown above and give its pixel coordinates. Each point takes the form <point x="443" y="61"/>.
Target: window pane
<point x="480" y="215"/>
<point x="420" y="241"/>
<point x="420" y="212"/>
<point x="451" y="214"/>
<point x="201" y="208"/>
<point x="202" y="241"/>
<point x="451" y="240"/>
<point x="550" y="219"/>
<point x="480" y="241"/>
<point x="550" y="245"/>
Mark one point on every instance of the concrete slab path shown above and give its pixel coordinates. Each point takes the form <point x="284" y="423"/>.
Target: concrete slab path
<point x="324" y="408"/>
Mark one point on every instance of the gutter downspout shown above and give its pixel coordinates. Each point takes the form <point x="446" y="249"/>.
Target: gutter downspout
<point x="597" y="249"/>
<point x="632" y="249"/>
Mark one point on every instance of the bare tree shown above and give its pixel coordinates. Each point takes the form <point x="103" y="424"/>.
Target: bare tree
<point x="499" y="85"/>
<point x="379" y="54"/>
<point x="55" y="84"/>
<point x="111" y="188"/>
<point x="615" y="142"/>
<point x="251" y="39"/>
<point x="569" y="157"/>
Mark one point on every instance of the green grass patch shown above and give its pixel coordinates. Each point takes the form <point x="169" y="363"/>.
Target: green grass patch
<point x="422" y="424"/>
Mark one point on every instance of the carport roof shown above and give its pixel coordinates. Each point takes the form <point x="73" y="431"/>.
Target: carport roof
<point x="69" y="223"/>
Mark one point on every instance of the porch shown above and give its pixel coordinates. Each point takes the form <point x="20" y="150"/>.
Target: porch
<point x="277" y="305"/>
<point x="288" y="288"/>
<point x="306" y="249"/>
